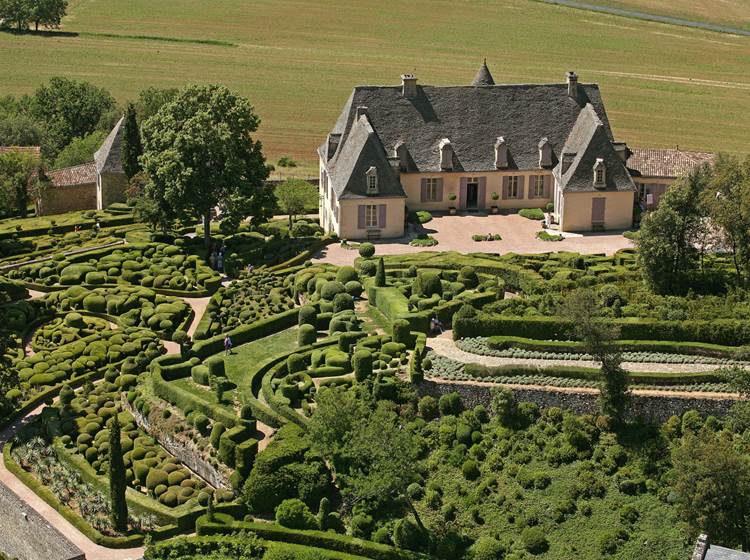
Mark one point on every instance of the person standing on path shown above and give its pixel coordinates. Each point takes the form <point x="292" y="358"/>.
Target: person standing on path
<point x="227" y="345"/>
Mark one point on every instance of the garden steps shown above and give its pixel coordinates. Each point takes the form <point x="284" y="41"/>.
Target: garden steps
<point x="445" y="346"/>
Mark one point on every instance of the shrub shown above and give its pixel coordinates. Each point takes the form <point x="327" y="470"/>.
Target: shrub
<point x="295" y="514"/>
<point x="401" y="331"/>
<point x="533" y="540"/>
<point x="470" y="470"/>
<point x="362" y="363"/>
<point x="307" y="316"/>
<point x="295" y="363"/>
<point x="216" y="366"/>
<point x="346" y="274"/>
<point x="366" y="250"/>
<point x="330" y="289"/>
<point x="468" y="276"/>
<point x="361" y="526"/>
<point x="406" y="535"/>
<point x="342" y="302"/>
<point x="544" y="236"/>
<point x="367" y="268"/>
<point x="427" y="284"/>
<point x="450" y="404"/>
<point x="380" y="273"/>
<point x="354" y="288"/>
<point x="307" y="335"/>
<point x="277" y="551"/>
<point x="487" y="548"/>
<point x="428" y="407"/>
<point x="532" y="213"/>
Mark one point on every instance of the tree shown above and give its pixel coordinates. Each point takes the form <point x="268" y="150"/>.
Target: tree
<point x="15" y="14"/>
<point x="670" y="235"/>
<point x="80" y="150"/>
<point x="151" y="99"/>
<point x="199" y="152"/>
<point x="48" y="13"/>
<point x="728" y="202"/>
<point x="9" y="380"/>
<point x="337" y="412"/>
<point x="70" y="109"/>
<point x="131" y="143"/>
<point x="380" y="273"/>
<point x="117" y="480"/>
<point x="19" y="129"/>
<point x="19" y="173"/>
<point x="582" y="310"/>
<point x="712" y="480"/>
<point x="291" y="197"/>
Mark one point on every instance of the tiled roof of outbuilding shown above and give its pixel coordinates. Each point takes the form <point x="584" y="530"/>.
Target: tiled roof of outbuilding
<point x="76" y="175"/>
<point x="658" y="162"/>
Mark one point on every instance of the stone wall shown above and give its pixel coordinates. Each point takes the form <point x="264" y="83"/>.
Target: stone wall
<point x="26" y="535"/>
<point x="184" y="450"/>
<point x="649" y="408"/>
<point x="113" y="186"/>
<point x="61" y="199"/>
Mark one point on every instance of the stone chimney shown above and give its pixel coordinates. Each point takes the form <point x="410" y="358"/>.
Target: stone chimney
<point x="567" y="161"/>
<point x="622" y="151"/>
<point x="573" y="85"/>
<point x="333" y="144"/>
<point x="409" y="86"/>
<point x="701" y="547"/>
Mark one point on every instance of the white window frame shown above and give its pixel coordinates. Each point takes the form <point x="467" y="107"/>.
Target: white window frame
<point x="513" y="181"/>
<point x="539" y="186"/>
<point x="432" y="185"/>
<point x="371" y="216"/>
<point x="372" y="180"/>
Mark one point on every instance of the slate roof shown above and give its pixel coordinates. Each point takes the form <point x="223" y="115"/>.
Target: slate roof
<point x="483" y="77"/>
<point x="472" y="118"/>
<point x="715" y="552"/>
<point x="656" y="162"/>
<point x="76" y="175"/>
<point x="107" y="157"/>
<point x="362" y="150"/>
<point x="589" y="141"/>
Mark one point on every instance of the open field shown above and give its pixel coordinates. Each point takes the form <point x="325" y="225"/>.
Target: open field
<point x="735" y="13"/>
<point x="297" y="61"/>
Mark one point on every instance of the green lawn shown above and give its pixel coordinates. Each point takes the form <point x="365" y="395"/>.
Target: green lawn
<point x="253" y="353"/>
<point x="297" y="61"/>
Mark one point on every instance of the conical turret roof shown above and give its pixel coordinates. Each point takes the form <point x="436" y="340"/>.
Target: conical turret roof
<point x="483" y="77"/>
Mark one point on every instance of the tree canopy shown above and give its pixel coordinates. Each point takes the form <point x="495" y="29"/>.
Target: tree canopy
<point x="131" y="143"/>
<point x="80" y="150"/>
<point x="19" y="174"/>
<point x="292" y="196"/>
<point x="199" y="153"/>
<point x="19" y="14"/>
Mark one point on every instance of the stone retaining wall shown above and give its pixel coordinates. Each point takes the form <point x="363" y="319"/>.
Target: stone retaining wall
<point x="183" y="450"/>
<point x="30" y="536"/>
<point x="649" y="408"/>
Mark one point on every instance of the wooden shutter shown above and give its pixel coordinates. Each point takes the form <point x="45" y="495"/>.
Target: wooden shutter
<point x="532" y="186"/>
<point x="381" y="215"/>
<point x="439" y="190"/>
<point x="597" y="210"/>
<point x="521" y="180"/>
<point x="462" y="193"/>
<point x="547" y="184"/>
<point x="423" y="193"/>
<point x="505" y="187"/>
<point x="482" y="192"/>
<point x="361" y="216"/>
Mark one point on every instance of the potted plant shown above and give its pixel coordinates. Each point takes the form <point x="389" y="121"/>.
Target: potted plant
<point x="452" y="207"/>
<point x="495" y="198"/>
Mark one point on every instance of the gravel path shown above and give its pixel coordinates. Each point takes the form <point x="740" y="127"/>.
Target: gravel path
<point x="447" y="347"/>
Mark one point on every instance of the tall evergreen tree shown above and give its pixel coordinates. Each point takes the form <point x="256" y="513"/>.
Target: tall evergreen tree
<point x="117" y="483"/>
<point x="131" y="143"/>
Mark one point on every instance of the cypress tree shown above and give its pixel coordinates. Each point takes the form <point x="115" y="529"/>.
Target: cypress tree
<point x="131" y="143"/>
<point x="210" y="508"/>
<point x="380" y="273"/>
<point x="117" y="483"/>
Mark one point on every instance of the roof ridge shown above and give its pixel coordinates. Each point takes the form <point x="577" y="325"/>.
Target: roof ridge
<point x="72" y="166"/>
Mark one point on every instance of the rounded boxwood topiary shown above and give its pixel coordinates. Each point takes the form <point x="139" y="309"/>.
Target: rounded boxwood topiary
<point x="354" y="288"/>
<point x="307" y="316"/>
<point x="295" y="514"/>
<point x="216" y="432"/>
<point x="295" y="363"/>
<point x="199" y="374"/>
<point x="487" y="548"/>
<point x="367" y="268"/>
<point x="428" y="284"/>
<point x="401" y="331"/>
<point x="346" y="274"/>
<point x="216" y="366"/>
<point x="342" y="302"/>
<point x="307" y="335"/>
<point x="330" y="289"/>
<point x="468" y="276"/>
<point x="155" y="477"/>
<point x="470" y="470"/>
<point x="366" y="250"/>
<point x="362" y="362"/>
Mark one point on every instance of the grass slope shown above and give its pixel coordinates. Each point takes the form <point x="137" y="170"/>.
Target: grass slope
<point x="297" y="61"/>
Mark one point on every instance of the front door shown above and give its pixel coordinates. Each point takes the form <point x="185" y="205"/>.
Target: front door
<point x="597" y="212"/>
<point x="472" y="194"/>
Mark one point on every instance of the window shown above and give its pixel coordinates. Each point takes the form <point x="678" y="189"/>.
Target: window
<point x="432" y="194"/>
<point x="600" y="176"/>
<point x="372" y="180"/>
<point x="371" y="216"/>
<point x="539" y="186"/>
<point x="600" y="173"/>
<point x="513" y="186"/>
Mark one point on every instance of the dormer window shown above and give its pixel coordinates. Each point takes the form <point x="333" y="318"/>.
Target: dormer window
<point x="600" y="173"/>
<point x="446" y="155"/>
<point x="372" y="180"/>
<point x="545" y="153"/>
<point x="501" y="153"/>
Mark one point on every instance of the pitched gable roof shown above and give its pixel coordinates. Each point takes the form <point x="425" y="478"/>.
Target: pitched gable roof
<point x="655" y="162"/>
<point x="483" y="77"/>
<point x="107" y="157"/>
<point x="472" y="118"/>
<point x="77" y="175"/>
<point x="588" y="141"/>
<point x="361" y="151"/>
<point x="33" y="150"/>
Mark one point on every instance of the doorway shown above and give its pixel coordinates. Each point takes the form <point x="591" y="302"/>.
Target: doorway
<point x="472" y="193"/>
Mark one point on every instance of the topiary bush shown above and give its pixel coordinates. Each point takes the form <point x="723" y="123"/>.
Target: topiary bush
<point x="362" y="363"/>
<point x="366" y="250"/>
<point x="534" y="540"/>
<point x="306" y="335"/>
<point x="401" y="331"/>
<point x="295" y="514"/>
<point x="307" y="315"/>
<point x="343" y="302"/>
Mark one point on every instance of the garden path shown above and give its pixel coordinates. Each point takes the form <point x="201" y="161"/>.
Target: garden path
<point x="445" y="346"/>
<point x="91" y="550"/>
<point x="199" y="308"/>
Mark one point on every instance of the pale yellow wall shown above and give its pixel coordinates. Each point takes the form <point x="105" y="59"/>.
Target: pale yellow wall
<point x="349" y="217"/>
<point x="576" y="210"/>
<point x="648" y="181"/>
<point x="412" y="183"/>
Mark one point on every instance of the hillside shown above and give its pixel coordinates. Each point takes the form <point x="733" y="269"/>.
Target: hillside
<point x="297" y="61"/>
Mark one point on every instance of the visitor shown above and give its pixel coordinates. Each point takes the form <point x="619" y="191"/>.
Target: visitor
<point x="250" y="268"/>
<point x="212" y="260"/>
<point x="220" y="261"/>
<point x="436" y="327"/>
<point x="227" y="345"/>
